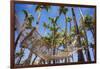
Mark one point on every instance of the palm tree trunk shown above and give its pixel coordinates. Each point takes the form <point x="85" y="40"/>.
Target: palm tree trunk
<point x="54" y="32"/>
<point x="80" y="53"/>
<point x="65" y="39"/>
<point x="18" y="39"/>
<point x="54" y="54"/>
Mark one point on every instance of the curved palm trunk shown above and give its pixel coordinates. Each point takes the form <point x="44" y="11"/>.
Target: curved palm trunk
<point x="80" y="53"/>
<point x="17" y="39"/>
<point x="85" y="36"/>
<point x="18" y="62"/>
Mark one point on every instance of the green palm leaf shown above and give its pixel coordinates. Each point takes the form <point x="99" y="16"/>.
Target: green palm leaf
<point x="38" y="8"/>
<point x="26" y="13"/>
<point x="63" y="10"/>
<point x="47" y="8"/>
<point x="68" y="19"/>
<point x="45" y="25"/>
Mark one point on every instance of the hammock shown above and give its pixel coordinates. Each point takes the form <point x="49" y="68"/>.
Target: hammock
<point x="37" y="48"/>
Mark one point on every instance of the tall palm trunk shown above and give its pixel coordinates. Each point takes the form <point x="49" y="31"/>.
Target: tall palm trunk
<point x="65" y="45"/>
<point x="54" y="50"/>
<point x="80" y="53"/>
<point x="85" y="36"/>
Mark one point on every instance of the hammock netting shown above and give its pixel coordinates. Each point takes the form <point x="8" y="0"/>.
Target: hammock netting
<point x="34" y="43"/>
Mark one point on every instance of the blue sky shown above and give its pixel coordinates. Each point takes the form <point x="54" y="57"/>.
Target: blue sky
<point x="53" y="12"/>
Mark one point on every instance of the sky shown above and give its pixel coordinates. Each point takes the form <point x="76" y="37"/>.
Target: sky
<point x="53" y="12"/>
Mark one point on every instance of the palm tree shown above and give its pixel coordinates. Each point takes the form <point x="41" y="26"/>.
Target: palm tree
<point x="27" y="25"/>
<point x="54" y="30"/>
<point x="63" y="10"/>
<point x="68" y="20"/>
<point x="85" y="36"/>
<point x="90" y="26"/>
<point x="39" y="9"/>
<point x="51" y="39"/>
<point x="88" y="20"/>
<point x="80" y="53"/>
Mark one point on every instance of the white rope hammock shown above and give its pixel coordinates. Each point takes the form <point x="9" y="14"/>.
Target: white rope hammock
<point x="41" y="51"/>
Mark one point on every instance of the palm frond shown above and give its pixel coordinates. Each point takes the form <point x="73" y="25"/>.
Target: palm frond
<point x="38" y="8"/>
<point x="26" y="13"/>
